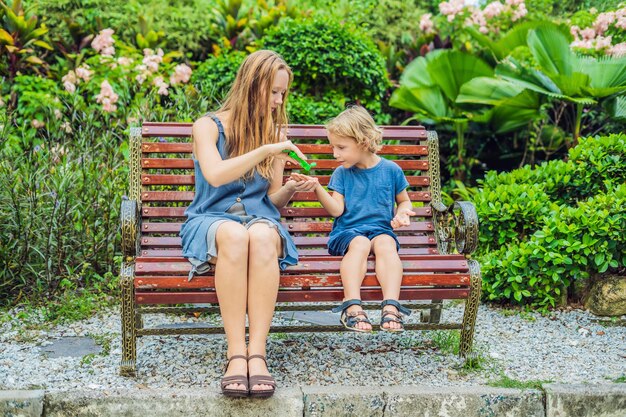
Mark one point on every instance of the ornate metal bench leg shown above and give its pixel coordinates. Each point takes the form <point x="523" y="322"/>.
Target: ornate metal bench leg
<point x="129" y="336"/>
<point x="471" y="309"/>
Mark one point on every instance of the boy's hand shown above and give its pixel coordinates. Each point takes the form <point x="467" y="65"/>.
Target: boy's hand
<point x="301" y="182"/>
<point x="402" y="218"/>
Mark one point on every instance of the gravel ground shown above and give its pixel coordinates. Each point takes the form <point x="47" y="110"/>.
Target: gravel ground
<point x="569" y="346"/>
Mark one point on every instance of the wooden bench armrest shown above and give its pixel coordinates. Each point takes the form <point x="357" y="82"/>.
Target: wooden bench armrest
<point x="129" y="219"/>
<point x="456" y="227"/>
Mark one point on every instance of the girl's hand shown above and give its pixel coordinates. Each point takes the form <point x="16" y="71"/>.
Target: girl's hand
<point x="303" y="182"/>
<point x="276" y="150"/>
<point x="402" y="218"/>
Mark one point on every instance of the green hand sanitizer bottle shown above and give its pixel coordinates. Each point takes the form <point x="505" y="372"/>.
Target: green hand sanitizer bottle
<point x="306" y="167"/>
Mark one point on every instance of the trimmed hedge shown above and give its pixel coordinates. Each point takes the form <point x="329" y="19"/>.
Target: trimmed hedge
<point x="560" y="222"/>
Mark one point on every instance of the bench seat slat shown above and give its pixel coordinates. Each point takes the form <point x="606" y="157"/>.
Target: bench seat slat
<point x="318" y="226"/>
<point x="298" y="281"/>
<point x="303" y="295"/>
<point x="302" y="252"/>
<point x="175" y="242"/>
<point x="167" y="267"/>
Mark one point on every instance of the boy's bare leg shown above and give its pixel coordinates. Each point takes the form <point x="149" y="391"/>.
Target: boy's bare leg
<point x="353" y="269"/>
<point x="263" y="278"/>
<point x="231" y="282"/>
<point x="388" y="271"/>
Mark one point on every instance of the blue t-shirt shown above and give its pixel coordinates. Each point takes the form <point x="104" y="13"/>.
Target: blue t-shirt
<point x="369" y="195"/>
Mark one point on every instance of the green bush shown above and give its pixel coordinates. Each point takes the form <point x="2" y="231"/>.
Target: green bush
<point x="544" y="228"/>
<point x="573" y="244"/>
<point x="60" y="191"/>
<point x="214" y="76"/>
<point x="326" y="57"/>
<point x="306" y="110"/>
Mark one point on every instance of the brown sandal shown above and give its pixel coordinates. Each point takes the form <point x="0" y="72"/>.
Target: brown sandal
<point x="235" y="379"/>
<point x="261" y="380"/>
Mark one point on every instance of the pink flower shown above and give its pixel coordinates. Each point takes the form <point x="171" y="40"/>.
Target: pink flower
<point x="603" y="21"/>
<point x="158" y="82"/>
<point x="618" y="50"/>
<point x="152" y="60"/>
<point x="426" y="24"/>
<point x="84" y="73"/>
<point x="182" y="74"/>
<point x="124" y="61"/>
<point x="575" y="31"/>
<point x="107" y="97"/>
<point x="103" y="42"/>
<point x="584" y="44"/>
<point x="108" y="106"/>
<point x="603" y="42"/>
<point x="69" y="81"/>
<point x="588" y="34"/>
<point x="37" y="124"/>
<point x="620" y="16"/>
<point x="451" y="8"/>
<point x="493" y="9"/>
<point x="476" y="19"/>
<point x="520" y="12"/>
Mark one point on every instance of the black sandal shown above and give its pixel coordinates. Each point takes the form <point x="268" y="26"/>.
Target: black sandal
<point x="234" y="379"/>
<point x="390" y="316"/>
<point x="261" y="380"/>
<point x="350" y="320"/>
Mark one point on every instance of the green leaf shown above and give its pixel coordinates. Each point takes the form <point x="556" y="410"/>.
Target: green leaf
<point x="5" y="37"/>
<point x="599" y="259"/>
<point x="551" y="50"/>
<point x="487" y="90"/>
<point x="450" y="69"/>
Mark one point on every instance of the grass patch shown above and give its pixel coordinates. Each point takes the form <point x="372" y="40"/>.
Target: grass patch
<point x="620" y="380"/>
<point x="70" y="306"/>
<point x="524" y="314"/>
<point x="447" y="341"/>
<point x="475" y="361"/>
<point x="505" y="382"/>
<point x="104" y="341"/>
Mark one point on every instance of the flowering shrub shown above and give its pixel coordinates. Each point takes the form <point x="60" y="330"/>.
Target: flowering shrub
<point x="600" y="34"/>
<point x="114" y="81"/>
<point x="493" y="19"/>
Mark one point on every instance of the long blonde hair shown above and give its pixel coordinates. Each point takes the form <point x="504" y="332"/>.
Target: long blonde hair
<point x="252" y="122"/>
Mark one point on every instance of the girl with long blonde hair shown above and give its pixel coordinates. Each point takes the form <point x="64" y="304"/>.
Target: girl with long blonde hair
<point x="233" y="224"/>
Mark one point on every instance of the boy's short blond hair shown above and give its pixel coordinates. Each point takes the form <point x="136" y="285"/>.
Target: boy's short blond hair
<point x="356" y="123"/>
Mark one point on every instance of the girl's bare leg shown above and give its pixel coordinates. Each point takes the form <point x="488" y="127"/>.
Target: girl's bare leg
<point x="353" y="269"/>
<point x="388" y="271"/>
<point x="231" y="282"/>
<point x="263" y="277"/>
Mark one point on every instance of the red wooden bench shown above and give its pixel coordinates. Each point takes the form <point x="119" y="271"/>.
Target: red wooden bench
<point x="435" y="248"/>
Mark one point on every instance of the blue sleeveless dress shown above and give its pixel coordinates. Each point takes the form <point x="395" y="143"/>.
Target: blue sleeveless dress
<point x="211" y="204"/>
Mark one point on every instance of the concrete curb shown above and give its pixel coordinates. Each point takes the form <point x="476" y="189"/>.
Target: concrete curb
<point x="21" y="403"/>
<point x="555" y="400"/>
